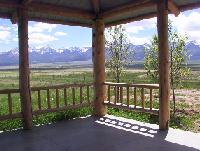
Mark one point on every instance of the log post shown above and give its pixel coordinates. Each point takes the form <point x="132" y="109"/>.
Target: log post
<point x="162" y="25"/>
<point x="24" y="83"/>
<point x="98" y="46"/>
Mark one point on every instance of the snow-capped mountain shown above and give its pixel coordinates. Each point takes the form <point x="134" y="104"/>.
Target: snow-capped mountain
<point x="193" y="48"/>
<point x="47" y="54"/>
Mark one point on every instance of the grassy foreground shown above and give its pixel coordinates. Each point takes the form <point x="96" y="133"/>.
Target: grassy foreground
<point x="9" y="79"/>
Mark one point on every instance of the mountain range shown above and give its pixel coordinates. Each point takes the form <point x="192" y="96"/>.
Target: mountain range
<point x="48" y="54"/>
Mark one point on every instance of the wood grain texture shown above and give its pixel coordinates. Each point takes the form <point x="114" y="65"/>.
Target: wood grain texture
<point x="57" y="98"/>
<point x="98" y="46"/>
<point x="10" y="103"/>
<point x="163" y="50"/>
<point x="39" y="100"/>
<point x="24" y="82"/>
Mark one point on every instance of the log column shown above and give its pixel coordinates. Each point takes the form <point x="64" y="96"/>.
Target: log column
<point x="98" y="53"/>
<point x="24" y="83"/>
<point x="162" y="24"/>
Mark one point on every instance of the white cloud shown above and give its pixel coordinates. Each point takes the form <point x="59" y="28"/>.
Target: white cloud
<point x="5" y="36"/>
<point x="133" y="29"/>
<point x="4" y="28"/>
<point x="15" y="39"/>
<point x="59" y="33"/>
<point x="137" y="26"/>
<point x="40" y="38"/>
<point x="41" y="27"/>
<point x="188" y="25"/>
<point x="15" y="27"/>
<point x="38" y="33"/>
<point x="139" y="40"/>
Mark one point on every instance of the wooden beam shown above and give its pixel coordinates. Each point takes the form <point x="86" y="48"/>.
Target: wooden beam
<point x="50" y="9"/>
<point x="128" y="20"/>
<point x="24" y="83"/>
<point x="9" y="4"/>
<point x="173" y="8"/>
<point x="145" y="16"/>
<point x="163" y="50"/>
<point x="59" y="10"/>
<point x="5" y="15"/>
<point x="45" y="20"/>
<point x="130" y="7"/>
<point x="98" y="50"/>
<point x="96" y="6"/>
<point x="57" y="21"/>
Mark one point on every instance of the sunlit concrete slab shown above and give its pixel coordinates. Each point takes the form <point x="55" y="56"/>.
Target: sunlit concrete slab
<point x="109" y="133"/>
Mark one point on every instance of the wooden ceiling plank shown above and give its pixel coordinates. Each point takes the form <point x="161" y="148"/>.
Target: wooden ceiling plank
<point x="50" y="9"/>
<point x="60" y="11"/>
<point x="127" y="8"/>
<point x="67" y="12"/>
<point x="173" y="8"/>
<point x="8" y="4"/>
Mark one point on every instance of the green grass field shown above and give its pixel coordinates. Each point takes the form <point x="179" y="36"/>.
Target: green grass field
<point x="9" y="79"/>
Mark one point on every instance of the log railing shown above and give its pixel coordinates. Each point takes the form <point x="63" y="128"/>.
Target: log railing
<point x="6" y="104"/>
<point x="138" y="97"/>
<point x="46" y="99"/>
<point x="61" y="97"/>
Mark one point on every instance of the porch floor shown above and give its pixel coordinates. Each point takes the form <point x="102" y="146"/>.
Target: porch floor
<point x="109" y="133"/>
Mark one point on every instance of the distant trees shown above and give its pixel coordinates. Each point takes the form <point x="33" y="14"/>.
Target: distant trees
<point x="119" y="51"/>
<point x="178" y="58"/>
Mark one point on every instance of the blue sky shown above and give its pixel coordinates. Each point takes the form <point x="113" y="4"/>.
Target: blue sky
<point x="59" y="36"/>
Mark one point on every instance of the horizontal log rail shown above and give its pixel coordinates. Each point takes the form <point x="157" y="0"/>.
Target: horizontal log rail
<point x="59" y="86"/>
<point x="62" y="97"/>
<point x="47" y="99"/>
<point x="7" y="91"/>
<point x="132" y="96"/>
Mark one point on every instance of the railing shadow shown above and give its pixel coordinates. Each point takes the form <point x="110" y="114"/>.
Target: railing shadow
<point x="151" y="135"/>
<point x="132" y="127"/>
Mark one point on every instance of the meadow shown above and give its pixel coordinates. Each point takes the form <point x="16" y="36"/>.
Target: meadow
<point x="187" y="115"/>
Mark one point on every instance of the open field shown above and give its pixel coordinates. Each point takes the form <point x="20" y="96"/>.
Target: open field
<point x="188" y="97"/>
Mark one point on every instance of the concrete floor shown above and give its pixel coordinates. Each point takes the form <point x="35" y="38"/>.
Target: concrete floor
<point x="109" y="133"/>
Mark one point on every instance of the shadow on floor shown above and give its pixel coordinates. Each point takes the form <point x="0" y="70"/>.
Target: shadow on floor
<point x="135" y="127"/>
<point x="90" y="134"/>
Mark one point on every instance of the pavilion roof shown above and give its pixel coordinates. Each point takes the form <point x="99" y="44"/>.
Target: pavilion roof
<point x="84" y="12"/>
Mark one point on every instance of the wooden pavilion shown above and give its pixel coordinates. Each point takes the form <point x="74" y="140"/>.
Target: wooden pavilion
<point x="95" y="14"/>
